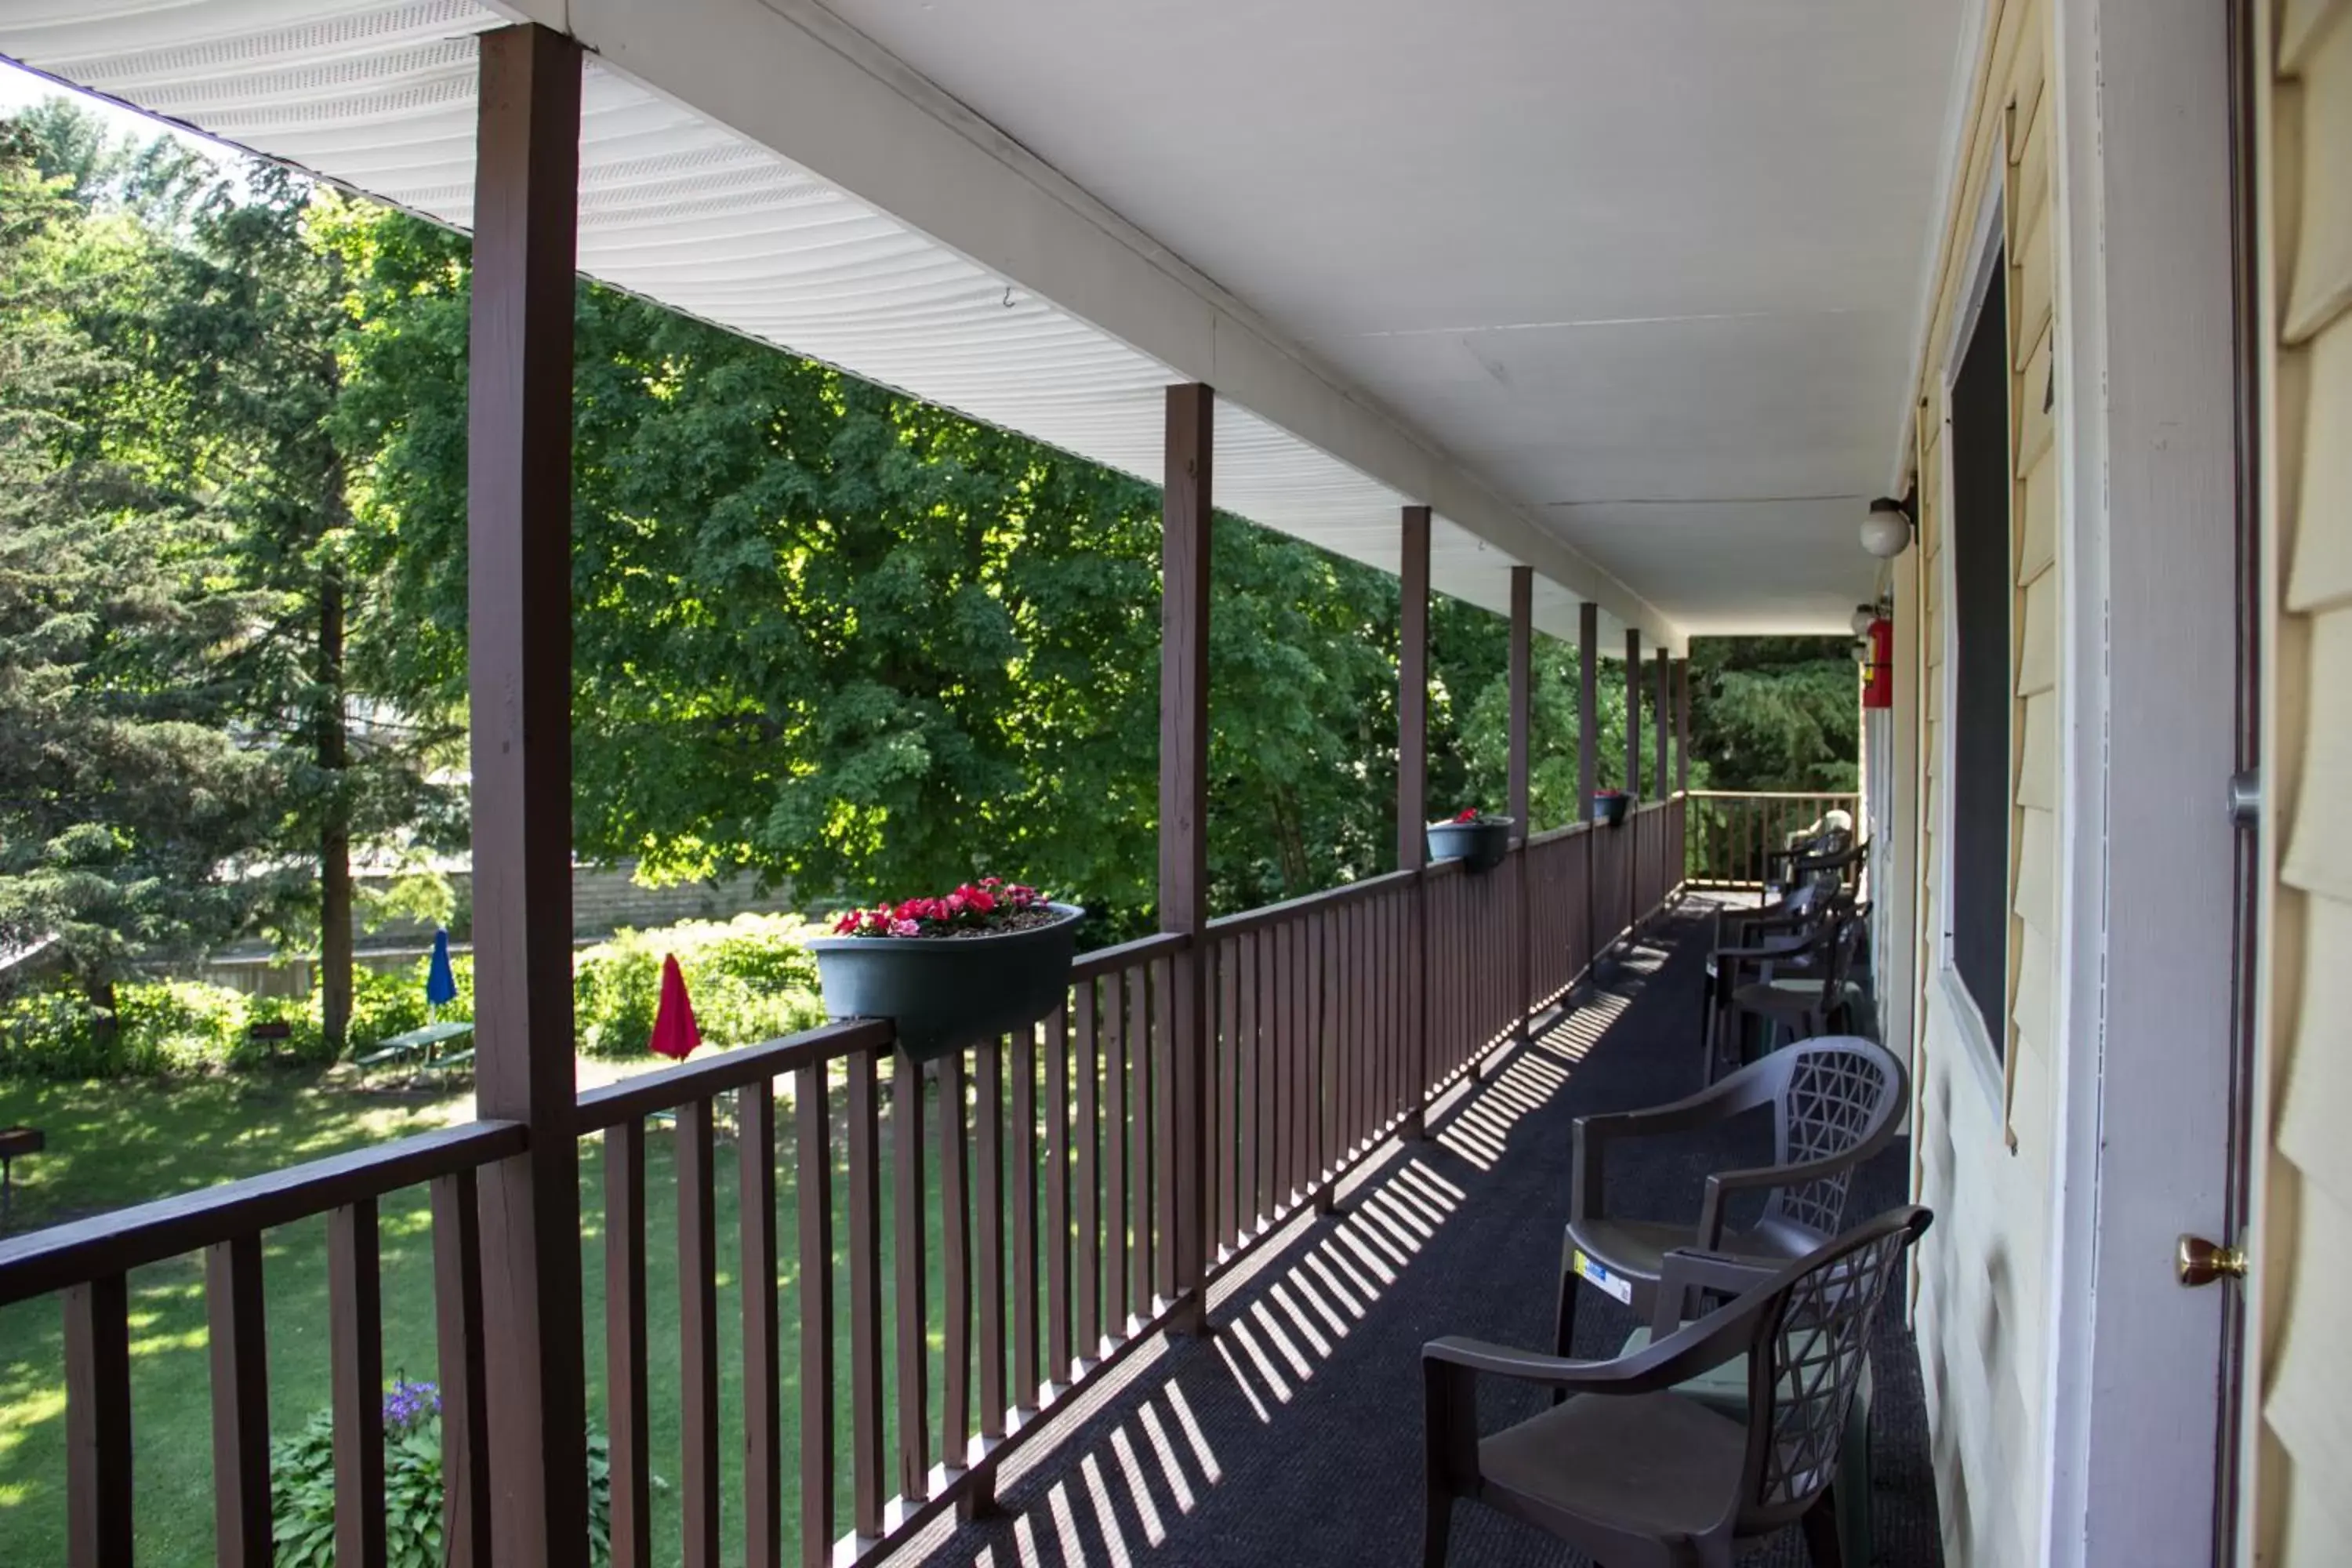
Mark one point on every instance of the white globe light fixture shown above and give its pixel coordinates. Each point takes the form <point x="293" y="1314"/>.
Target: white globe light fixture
<point x="1886" y="531"/>
<point x="1862" y="616"/>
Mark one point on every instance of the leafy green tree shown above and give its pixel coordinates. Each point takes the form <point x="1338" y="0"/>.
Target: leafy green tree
<point x="826" y="633"/>
<point x="159" y="181"/>
<point x="227" y="374"/>
<point x="1553" y="729"/>
<point x="1775" y="713"/>
<point x="127" y="803"/>
<point x="252" y="317"/>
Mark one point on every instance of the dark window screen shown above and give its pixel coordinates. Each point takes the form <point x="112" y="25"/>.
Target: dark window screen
<point x="1981" y="603"/>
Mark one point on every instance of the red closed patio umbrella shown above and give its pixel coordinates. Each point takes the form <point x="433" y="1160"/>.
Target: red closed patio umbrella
<point x="675" y="1036"/>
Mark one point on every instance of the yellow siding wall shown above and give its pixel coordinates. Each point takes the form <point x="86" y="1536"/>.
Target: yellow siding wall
<point x="1983" y="1148"/>
<point x="2303" y="1437"/>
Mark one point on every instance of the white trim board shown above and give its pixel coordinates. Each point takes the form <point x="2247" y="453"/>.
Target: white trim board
<point x="2145" y="304"/>
<point x="1985" y="243"/>
<point x="1968" y="67"/>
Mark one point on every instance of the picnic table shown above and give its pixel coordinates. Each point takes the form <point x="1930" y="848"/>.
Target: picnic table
<point x="416" y="1049"/>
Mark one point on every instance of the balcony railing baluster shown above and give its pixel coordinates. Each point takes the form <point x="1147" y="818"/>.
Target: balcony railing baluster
<point x="812" y="1167"/>
<point x="755" y="1166"/>
<point x="955" y="1264"/>
<point x="865" y="1298"/>
<point x="698" y="1338"/>
<point x="240" y="1377"/>
<point x="988" y="1179"/>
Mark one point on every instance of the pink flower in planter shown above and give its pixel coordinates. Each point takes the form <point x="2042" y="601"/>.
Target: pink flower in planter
<point x="984" y="906"/>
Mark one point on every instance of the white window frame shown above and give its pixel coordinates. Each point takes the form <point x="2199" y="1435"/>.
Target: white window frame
<point x="1988" y="240"/>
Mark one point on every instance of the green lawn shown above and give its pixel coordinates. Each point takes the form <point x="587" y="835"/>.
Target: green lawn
<point x="117" y="1144"/>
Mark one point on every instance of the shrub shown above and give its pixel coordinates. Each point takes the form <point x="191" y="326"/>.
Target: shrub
<point x="177" y="1026"/>
<point x="55" y="1034"/>
<point x="392" y="1002"/>
<point x="172" y="1026"/>
<point x="305" y="1036"/>
<point x="751" y="978"/>
<point x="302" y="1486"/>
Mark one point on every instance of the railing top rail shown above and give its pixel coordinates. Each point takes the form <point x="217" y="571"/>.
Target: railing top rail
<point x="1775" y="794"/>
<point x="1272" y="914"/>
<point x="633" y="1098"/>
<point x="1142" y="950"/>
<point x="108" y="1244"/>
<point x="1554" y="834"/>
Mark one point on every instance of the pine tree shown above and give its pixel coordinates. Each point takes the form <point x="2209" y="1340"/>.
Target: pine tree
<point x="128" y="802"/>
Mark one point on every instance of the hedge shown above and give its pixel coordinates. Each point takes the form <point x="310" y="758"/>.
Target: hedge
<point x="751" y="978"/>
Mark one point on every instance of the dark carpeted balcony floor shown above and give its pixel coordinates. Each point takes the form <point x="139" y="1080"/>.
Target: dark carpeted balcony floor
<point x="1293" y="1437"/>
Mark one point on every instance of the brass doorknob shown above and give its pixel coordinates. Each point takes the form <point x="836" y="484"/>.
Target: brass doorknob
<point x="2199" y="1262"/>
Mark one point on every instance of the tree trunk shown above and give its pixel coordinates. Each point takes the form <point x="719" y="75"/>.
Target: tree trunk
<point x="335" y="836"/>
<point x="1290" y="844"/>
<point x="103" y="1022"/>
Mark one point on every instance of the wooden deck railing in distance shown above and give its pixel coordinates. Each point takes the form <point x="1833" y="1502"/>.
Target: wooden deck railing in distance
<point x="1728" y="834"/>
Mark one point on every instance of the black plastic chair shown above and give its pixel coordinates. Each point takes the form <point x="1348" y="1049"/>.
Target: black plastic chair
<point x="1742" y="936"/>
<point x="1825" y="858"/>
<point x="1805" y="987"/>
<point x="1639" y="1476"/>
<point x="1834" y="1102"/>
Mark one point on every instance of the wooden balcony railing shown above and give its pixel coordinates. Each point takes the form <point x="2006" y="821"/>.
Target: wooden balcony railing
<point x="1729" y="835"/>
<point x="1048" y="1233"/>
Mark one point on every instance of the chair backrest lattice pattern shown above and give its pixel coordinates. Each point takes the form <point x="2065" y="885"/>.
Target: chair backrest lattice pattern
<point x="1834" y="1097"/>
<point x="1830" y="845"/>
<point x="1852" y="922"/>
<point x="1814" y="1354"/>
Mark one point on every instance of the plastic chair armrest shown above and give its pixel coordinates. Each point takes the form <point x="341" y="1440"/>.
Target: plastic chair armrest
<point x="1723" y="1182"/>
<point x="1591" y="1134"/>
<point x="1530" y="1366"/>
<point x="1689" y="1269"/>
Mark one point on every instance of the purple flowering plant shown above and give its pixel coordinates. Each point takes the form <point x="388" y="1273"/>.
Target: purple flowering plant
<point x="409" y="1404"/>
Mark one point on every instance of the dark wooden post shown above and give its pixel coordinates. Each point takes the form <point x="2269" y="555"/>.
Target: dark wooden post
<point x="1186" y="499"/>
<point x="518" y="499"/>
<point x="1522" y="803"/>
<point x="1664" y="714"/>
<point x="1588" y="745"/>
<point x="1413" y="783"/>
<point x="1587" y="705"/>
<point x="1523" y="617"/>
<point x="1634" y="711"/>
<point x="1681" y="723"/>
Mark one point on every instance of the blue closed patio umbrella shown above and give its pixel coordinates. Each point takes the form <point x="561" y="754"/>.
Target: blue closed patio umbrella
<point x="440" y="980"/>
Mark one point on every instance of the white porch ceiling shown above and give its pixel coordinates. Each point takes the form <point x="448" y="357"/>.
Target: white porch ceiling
<point x="1626" y="292"/>
<point x="1655" y="269"/>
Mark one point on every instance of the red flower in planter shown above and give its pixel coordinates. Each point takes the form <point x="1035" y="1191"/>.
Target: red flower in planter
<point x="989" y="904"/>
<point x="1468" y="813"/>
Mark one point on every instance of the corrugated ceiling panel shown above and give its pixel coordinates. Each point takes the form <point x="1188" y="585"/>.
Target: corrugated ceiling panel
<point x="380" y="97"/>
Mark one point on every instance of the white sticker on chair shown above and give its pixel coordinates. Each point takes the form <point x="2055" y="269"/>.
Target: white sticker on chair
<point x="1593" y="1270"/>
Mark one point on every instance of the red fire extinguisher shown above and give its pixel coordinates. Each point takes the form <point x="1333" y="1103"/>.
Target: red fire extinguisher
<point x="1878" y="666"/>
